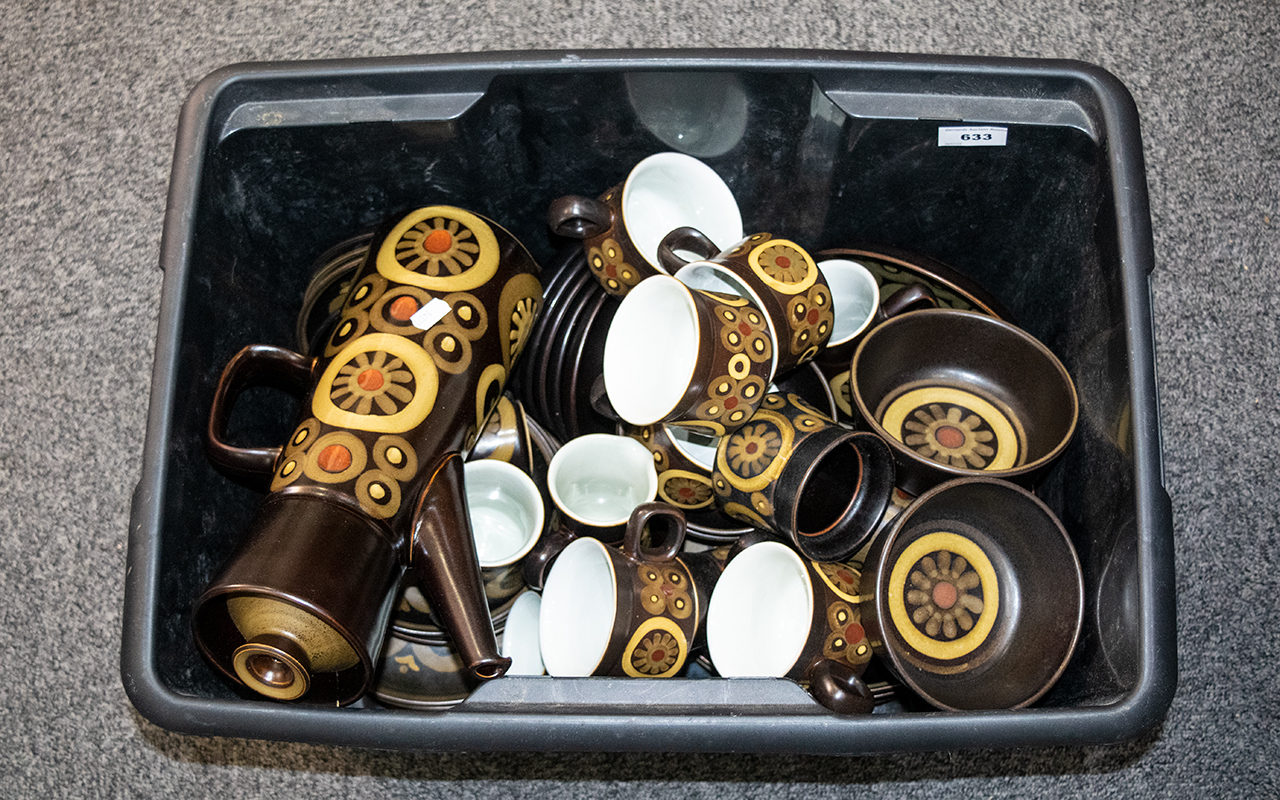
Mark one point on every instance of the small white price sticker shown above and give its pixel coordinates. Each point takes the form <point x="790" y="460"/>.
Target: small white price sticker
<point x="972" y="137"/>
<point x="430" y="314"/>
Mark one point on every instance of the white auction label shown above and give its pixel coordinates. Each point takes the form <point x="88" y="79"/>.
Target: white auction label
<point x="988" y="136"/>
<point x="430" y="314"/>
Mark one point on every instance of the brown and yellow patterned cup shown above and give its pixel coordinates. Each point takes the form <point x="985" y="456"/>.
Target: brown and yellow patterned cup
<point x="774" y="614"/>
<point x="623" y="611"/>
<point x="797" y="472"/>
<point x="621" y="230"/>
<point x="686" y="357"/>
<point x="684" y="460"/>
<point x="776" y="275"/>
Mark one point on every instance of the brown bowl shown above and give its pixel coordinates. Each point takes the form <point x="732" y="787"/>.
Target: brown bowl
<point x="974" y="596"/>
<point x="960" y="394"/>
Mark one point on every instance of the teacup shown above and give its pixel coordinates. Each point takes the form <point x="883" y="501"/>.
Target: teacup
<point x="621" y="611"/>
<point x="796" y="472"/>
<point x="520" y="641"/>
<point x="621" y="230"/>
<point x="858" y="304"/>
<point x="678" y="355"/>
<point x="956" y="394"/>
<point x="684" y="460"/>
<point x="775" y="274"/>
<point x="597" y="480"/>
<point x="507" y="518"/>
<point x="774" y="614"/>
<point x="505" y="436"/>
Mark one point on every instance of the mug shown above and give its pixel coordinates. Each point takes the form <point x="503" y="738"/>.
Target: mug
<point x="621" y="611"/>
<point x="621" y="230"/>
<point x="595" y="482"/>
<point x="856" y="298"/>
<point x="520" y="641"/>
<point x="774" y="614"/>
<point x="371" y="479"/>
<point x="506" y="513"/>
<point x="992" y="401"/>
<point x="682" y="356"/>
<point x="684" y="459"/>
<point x="776" y="275"/>
<point x="798" y="473"/>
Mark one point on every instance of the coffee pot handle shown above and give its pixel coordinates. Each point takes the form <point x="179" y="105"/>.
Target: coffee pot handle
<point x="686" y="238"/>
<point x="255" y="365"/>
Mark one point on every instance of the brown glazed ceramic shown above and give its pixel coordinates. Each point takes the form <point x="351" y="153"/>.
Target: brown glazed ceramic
<point x="797" y="472"/>
<point x="684" y="480"/>
<point x="895" y="269"/>
<point x="776" y="614"/>
<point x="626" y="611"/>
<point x="505" y="436"/>
<point x="613" y="260"/>
<point x="974" y="596"/>
<point x="776" y="274"/>
<point x="956" y="393"/>
<point x="434" y="320"/>
<point x="663" y="191"/>
<point x="595" y="483"/>
<point x="686" y="357"/>
<point x="834" y="359"/>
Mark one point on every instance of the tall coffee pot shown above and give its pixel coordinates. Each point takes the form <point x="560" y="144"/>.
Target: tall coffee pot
<point x="370" y="481"/>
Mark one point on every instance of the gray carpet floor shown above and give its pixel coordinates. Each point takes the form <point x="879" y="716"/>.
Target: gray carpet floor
<point x="90" y="93"/>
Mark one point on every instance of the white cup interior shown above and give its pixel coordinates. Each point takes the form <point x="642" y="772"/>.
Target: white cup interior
<point x="760" y="613"/>
<point x="699" y="448"/>
<point x="855" y="295"/>
<point x="671" y="190"/>
<point x="520" y="641"/>
<point x="505" y="509"/>
<point x="651" y="350"/>
<point x="579" y="601"/>
<point x="600" y="478"/>
<point x="706" y="276"/>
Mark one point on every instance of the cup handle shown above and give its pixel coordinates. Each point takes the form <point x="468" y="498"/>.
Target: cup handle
<point x="641" y="517"/>
<point x="751" y="537"/>
<point x="913" y="297"/>
<point x="537" y="562"/>
<point x="578" y="217"/>
<point x="255" y="365"/>
<point x="691" y="239"/>
<point x="599" y="400"/>
<point x="839" y="688"/>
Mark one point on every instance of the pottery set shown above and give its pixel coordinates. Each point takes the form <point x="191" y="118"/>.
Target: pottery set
<point x="710" y="457"/>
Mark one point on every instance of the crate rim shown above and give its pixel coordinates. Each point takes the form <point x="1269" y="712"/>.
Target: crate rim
<point x="476" y="730"/>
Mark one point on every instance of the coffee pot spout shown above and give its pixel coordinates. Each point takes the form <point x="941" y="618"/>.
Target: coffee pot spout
<point x="442" y="553"/>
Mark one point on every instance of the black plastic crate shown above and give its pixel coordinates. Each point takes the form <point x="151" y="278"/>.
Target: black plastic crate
<point x="277" y="162"/>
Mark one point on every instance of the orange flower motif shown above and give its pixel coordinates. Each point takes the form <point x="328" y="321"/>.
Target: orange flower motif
<point x="437" y="247"/>
<point x="942" y="596"/>
<point x="656" y="653"/>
